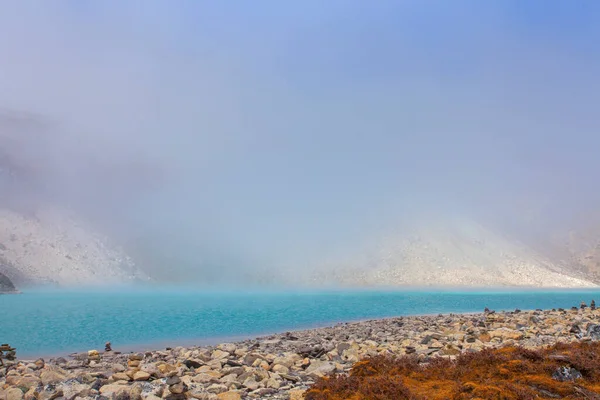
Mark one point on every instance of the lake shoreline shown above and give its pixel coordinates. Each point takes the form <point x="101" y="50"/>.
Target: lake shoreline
<point x="215" y="341"/>
<point x="74" y="322"/>
<point x="283" y="365"/>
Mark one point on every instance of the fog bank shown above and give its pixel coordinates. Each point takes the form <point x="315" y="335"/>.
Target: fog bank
<point x="218" y="140"/>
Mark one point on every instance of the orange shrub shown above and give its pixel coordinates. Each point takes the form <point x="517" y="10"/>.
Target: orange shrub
<point x="510" y="373"/>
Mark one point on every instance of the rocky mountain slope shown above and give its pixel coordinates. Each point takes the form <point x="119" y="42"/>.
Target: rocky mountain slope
<point x="42" y="240"/>
<point x="582" y="248"/>
<point x="52" y="247"/>
<point x="454" y="253"/>
<point x="49" y="246"/>
<point x="44" y="172"/>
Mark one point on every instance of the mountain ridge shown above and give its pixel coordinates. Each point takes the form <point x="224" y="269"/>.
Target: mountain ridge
<point x="52" y="247"/>
<point x="455" y="253"/>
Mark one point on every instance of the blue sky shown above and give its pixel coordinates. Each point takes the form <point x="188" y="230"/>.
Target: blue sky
<point x="281" y="129"/>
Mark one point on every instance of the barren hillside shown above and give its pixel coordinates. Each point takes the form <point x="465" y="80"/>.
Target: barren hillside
<point x="41" y="242"/>
<point x="54" y="248"/>
<point x="454" y="253"/>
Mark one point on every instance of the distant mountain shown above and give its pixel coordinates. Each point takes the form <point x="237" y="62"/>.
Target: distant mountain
<point x="457" y="252"/>
<point x="44" y="242"/>
<point x="51" y="246"/>
<point x="580" y="247"/>
<point x="41" y="240"/>
<point x="54" y="248"/>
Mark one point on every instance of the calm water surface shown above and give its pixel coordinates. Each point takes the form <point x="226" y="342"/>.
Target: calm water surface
<point x="49" y="323"/>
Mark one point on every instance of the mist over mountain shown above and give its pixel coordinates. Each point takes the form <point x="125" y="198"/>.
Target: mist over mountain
<point x="399" y="143"/>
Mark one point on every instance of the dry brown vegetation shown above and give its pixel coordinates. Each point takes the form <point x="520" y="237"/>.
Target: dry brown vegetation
<point x="506" y="373"/>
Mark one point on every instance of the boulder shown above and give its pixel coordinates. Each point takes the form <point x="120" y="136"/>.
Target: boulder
<point x="27" y="382"/>
<point x="31" y="394"/>
<point x="51" y="377"/>
<point x="593" y="331"/>
<point x="288" y="359"/>
<point x="74" y="389"/>
<point x="141" y="376"/>
<point x="566" y="374"/>
<point x="135" y="393"/>
<point x="273" y="383"/>
<point x="227" y="347"/>
<point x="14" y="394"/>
<point x="506" y="334"/>
<point x="39" y="363"/>
<point x="121" y="376"/>
<point x="228" y="378"/>
<point x="178" y="388"/>
<point x="251" y="383"/>
<point x="220" y="354"/>
<point x="280" y="369"/>
<point x="319" y="368"/>
<point x="118" y="368"/>
<point x="193" y="363"/>
<point x="199" y="392"/>
<point x="136" y="357"/>
<point x="114" y="390"/>
<point x="229" y="396"/>
<point x="50" y="392"/>
<point x="297" y="394"/>
<point x="93" y="355"/>
<point x="217" y="388"/>
<point x="250" y="358"/>
<point x="206" y="377"/>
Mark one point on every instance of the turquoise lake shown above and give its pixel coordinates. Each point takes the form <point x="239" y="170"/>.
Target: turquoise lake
<point x="43" y="323"/>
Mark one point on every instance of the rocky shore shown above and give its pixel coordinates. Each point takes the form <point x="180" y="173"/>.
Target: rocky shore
<point x="283" y="366"/>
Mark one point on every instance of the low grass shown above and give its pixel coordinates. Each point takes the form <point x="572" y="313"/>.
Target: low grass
<point x="508" y="373"/>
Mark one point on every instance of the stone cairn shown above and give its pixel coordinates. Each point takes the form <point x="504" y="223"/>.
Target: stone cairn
<point x="7" y="353"/>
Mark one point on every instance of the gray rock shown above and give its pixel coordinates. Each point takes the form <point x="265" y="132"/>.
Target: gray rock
<point x="136" y="392"/>
<point x="593" y="331"/>
<point x="250" y="358"/>
<point x="191" y="363"/>
<point x="217" y="388"/>
<point x="199" y="392"/>
<point x="118" y="368"/>
<point x="564" y="374"/>
<point x="319" y="368"/>
<point x="227" y="379"/>
<point x="124" y="395"/>
<point x="50" y="392"/>
<point x="251" y="383"/>
<point x="173" y="380"/>
<point x="227" y="347"/>
<point x="205" y="378"/>
<point x="291" y="378"/>
<point x="341" y="347"/>
<point x="264" y="392"/>
<point x="74" y="389"/>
